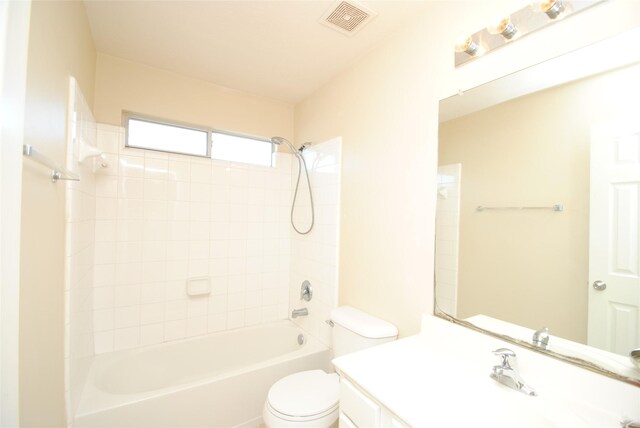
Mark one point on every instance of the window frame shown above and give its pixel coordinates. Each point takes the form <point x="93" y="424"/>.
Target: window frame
<point x="128" y="115"/>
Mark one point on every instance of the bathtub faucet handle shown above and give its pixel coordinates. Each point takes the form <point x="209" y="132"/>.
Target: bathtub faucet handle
<point x="306" y="291"/>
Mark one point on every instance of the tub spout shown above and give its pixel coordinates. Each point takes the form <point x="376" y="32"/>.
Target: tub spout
<point x="303" y="312"/>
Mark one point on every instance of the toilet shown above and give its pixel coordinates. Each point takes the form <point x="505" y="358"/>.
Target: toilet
<point x="310" y="398"/>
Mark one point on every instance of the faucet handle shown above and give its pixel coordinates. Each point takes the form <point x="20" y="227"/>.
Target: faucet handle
<point x="541" y="338"/>
<point x="505" y="353"/>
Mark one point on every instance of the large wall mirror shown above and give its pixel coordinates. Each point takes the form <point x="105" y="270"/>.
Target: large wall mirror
<point x="538" y="205"/>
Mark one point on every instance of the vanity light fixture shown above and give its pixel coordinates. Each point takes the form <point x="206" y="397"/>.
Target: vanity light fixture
<point x="530" y="18"/>
<point x="505" y="28"/>
<point x="552" y="8"/>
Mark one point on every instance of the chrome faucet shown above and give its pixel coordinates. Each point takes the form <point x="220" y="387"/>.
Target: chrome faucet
<point x="541" y="338"/>
<point x="507" y="375"/>
<point x="303" y="312"/>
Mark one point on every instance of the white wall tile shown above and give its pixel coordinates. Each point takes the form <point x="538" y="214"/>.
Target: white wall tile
<point x="105" y="231"/>
<point x="174" y="330"/>
<point x="103" y="297"/>
<point x="164" y="218"/>
<point x="126" y="338"/>
<point x="216" y="322"/>
<point x="106" y="209"/>
<point x="128" y="316"/>
<point x="151" y="334"/>
<point x="127" y="295"/>
<point x="131" y="166"/>
<point x="153" y="292"/>
<point x="107" y="187"/>
<point x="179" y="191"/>
<point x="104" y="341"/>
<point x="178" y="171"/>
<point x="130" y="187"/>
<point x="156" y="168"/>
<point x="103" y="320"/>
<point x="235" y="319"/>
<point x="201" y="172"/>
<point x="197" y="306"/>
<point x="155" y="190"/>
<point x="151" y="313"/>
<point x="196" y="326"/>
<point x="175" y="310"/>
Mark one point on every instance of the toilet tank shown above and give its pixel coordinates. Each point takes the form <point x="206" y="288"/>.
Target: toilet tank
<point x="354" y="330"/>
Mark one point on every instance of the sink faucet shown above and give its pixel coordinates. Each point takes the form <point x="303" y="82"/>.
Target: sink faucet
<point x="541" y="338"/>
<point x="507" y="375"/>
<point x="299" y="313"/>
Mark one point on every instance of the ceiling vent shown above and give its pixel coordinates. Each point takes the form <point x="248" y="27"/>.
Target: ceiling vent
<point x="347" y="17"/>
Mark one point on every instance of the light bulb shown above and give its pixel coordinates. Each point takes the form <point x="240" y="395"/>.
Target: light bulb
<point x="504" y="27"/>
<point x="553" y="8"/>
<point x="468" y="46"/>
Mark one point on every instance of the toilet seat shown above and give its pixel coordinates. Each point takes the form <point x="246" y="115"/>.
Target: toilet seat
<point x="301" y="419"/>
<point x="304" y="396"/>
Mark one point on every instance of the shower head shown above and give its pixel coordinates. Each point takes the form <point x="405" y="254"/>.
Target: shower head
<point x="280" y="140"/>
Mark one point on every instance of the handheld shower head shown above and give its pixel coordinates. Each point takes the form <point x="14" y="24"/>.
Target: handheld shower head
<point x="298" y="154"/>
<point x="279" y="140"/>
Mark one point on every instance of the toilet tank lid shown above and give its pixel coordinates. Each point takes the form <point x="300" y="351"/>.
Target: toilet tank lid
<point x="362" y="323"/>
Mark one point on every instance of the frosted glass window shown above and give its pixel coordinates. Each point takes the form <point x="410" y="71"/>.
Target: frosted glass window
<point x="235" y="148"/>
<point x="145" y="134"/>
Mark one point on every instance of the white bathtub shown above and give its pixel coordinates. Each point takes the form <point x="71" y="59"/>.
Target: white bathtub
<point x="219" y="380"/>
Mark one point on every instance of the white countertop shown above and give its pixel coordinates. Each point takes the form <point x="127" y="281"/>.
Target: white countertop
<point x="441" y="378"/>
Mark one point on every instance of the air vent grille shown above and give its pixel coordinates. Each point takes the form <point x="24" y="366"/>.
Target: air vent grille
<point x="347" y="18"/>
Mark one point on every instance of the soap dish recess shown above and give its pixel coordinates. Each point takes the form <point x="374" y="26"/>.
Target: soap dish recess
<point x="199" y="286"/>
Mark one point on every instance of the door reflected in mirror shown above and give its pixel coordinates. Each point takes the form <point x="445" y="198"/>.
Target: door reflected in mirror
<point x="538" y="211"/>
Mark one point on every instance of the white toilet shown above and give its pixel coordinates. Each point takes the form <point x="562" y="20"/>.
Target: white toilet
<point x="310" y="398"/>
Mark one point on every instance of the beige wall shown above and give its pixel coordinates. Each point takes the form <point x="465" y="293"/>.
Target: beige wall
<point x="531" y="268"/>
<point x="382" y="111"/>
<point x="385" y="108"/>
<point x="125" y="85"/>
<point x="60" y="45"/>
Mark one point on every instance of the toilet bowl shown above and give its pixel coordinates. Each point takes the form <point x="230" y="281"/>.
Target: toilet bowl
<point x="303" y="399"/>
<point x="310" y="398"/>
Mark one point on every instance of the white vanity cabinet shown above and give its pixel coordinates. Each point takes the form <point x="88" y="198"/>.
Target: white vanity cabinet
<point x="358" y="409"/>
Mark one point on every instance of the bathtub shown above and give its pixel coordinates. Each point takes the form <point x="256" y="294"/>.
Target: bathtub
<point x="218" y="380"/>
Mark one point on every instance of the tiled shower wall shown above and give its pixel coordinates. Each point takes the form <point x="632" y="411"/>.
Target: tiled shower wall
<point x="447" y="232"/>
<point x="315" y="255"/>
<point x="80" y="231"/>
<point x="163" y="218"/>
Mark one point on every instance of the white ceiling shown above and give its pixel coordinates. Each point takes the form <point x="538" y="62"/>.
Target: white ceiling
<point x="276" y="49"/>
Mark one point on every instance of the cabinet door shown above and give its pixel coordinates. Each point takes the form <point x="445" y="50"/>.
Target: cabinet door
<point x="345" y="422"/>
<point x="387" y="420"/>
<point x="360" y="409"/>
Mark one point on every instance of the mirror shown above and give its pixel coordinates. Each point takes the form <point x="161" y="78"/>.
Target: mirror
<point x="538" y="206"/>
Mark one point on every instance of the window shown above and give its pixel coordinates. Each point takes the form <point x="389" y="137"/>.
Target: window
<point x="235" y="148"/>
<point x="161" y="135"/>
<point x="147" y="134"/>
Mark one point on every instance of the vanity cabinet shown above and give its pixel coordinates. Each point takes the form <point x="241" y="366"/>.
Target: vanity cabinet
<point x="358" y="409"/>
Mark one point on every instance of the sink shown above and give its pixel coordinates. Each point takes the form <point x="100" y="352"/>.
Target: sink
<point x="504" y="407"/>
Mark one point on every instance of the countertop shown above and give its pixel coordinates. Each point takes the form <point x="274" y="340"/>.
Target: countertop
<point x="441" y="378"/>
